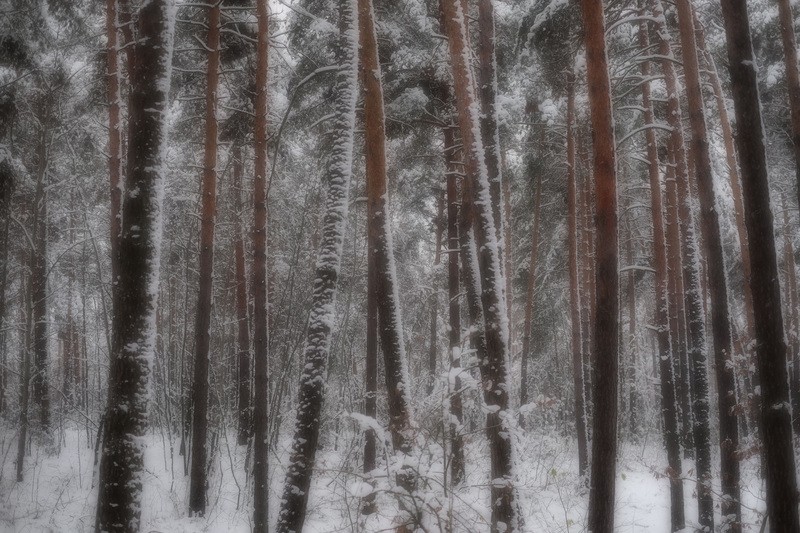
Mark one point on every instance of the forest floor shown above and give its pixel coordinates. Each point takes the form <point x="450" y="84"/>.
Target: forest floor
<point x="57" y="493"/>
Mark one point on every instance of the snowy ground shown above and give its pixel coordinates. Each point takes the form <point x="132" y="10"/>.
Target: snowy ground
<point x="57" y="492"/>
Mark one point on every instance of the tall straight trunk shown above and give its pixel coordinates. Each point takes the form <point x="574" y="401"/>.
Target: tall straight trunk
<point x="529" y="296"/>
<point x="122" y="459"/>
<point x="243" y="353"/>
<point x="718" y="292"/>
<point x="694" y="300"/>
<point x="574" y="295"/>
<point x="259" y="283"/>
<point x="321" y="318"/>
<point x="454" y="309"/>
<point x="665" y="350"/>
<point x="433" y="353"/>
<point x="113" y="73"/>
<point x="198" y="481"/>
<point x="5" y="222"/>
<point x="786" y="19"/>
<point x="733" y="171"/>
<point x="770" y="343"/>
<point x="791" y="305"/>
<point x="606" y="327"/>
<point x="390" y="324"/>
<point x="494" y="367"/>
<point x="38" y="279"/>
<point x="25" y="381"/>
<point x="487" y="91"/>
<point x="587" y="287"/>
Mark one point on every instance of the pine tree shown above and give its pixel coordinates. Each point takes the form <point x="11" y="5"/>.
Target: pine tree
<point x="776" y="423"/>
<point x="122" y="458"/>
<point x="198" y="482"/>
<point x="320" y="323"/>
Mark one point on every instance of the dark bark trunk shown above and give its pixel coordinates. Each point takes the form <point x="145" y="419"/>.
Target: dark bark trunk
<point x="720" y="319"/>
<point x="478" y="210"/>
<point x="786" y="21"/>
<point x="574" y="295"/>
<point x="433" y="353"/>
<point x="606" y="326"/>
<point x="770" y="344"/>
<point x="259" y="283"/>
<point x="454" y="308"/>
<point x="665" y="350"/>
<point x="527" y="352"/>
<point x="382" y="260"/>
<point x="243" y="352"/>
<point x="122" y="461"/>
<point x="198" y="480"/>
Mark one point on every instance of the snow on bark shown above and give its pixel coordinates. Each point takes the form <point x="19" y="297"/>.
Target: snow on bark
<point x="122" y="460"/>
<point x="321" y="320"/>
<point x="487" y="277"/>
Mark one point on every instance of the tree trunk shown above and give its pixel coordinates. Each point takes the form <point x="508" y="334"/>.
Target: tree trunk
<point x="770" y="344"/>
<point x="529" y="297"/>
<point x="321" y="319"/>
<point x="39" y="274"/>
<point x="433" y="354"/>
<point x="454" y="309"/>
<point x="244" y="355"/>
<point x="113" y="74"/>
<point x="665" y="351"/>
<point x="720" y="318"/>
<point x="792" y="315"/>
<point x="122" y="461"/>
<point x="198" y="481"/>
<point x="390" y="324"/>
<point x="259" y="283"/>
<point x="786" y="20"/>
<point x="574" y="295"/>
<point x="494" y="367"/>
<point x="606" y="327"/>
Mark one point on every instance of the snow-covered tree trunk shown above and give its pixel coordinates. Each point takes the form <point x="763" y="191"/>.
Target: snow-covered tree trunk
<point x="321" y="318"/>
<point x="574" y="293"/>
<point x="259" y="283"/>
<point x="770" y="340"/>
<point x="718" y="291"/>
<point x="454" y="308"/>
<point x="665" y="349"/>
<point x="478" y="211"/>
<point x="198" y="482"/>
<point x="390" y="324"/>
<point x="122" y="460"/>
<point x="606" y="326"/>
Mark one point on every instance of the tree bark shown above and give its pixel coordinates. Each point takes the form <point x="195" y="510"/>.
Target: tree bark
<point x="198" y="481"/>
<point x="665" y="350"/>
<point x="527" y="352"/>
<point x="454" y="308"/>
<point x="321" y="319"/>
<point x="718" y="292"/>
<point x="259" y="283"/>
<point x="122" y="460"/>
<point x="574" y="295"/>
<point x="606" y="327"/>
<point x="478" y="210"/>
<point x="792" y="315"/>
<point x="786" y="21"/>
<point x="401" y="425"/>
<point x="244" y="354"/>
<point x="433" y="353"/>
<point x="770" y="343"/>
